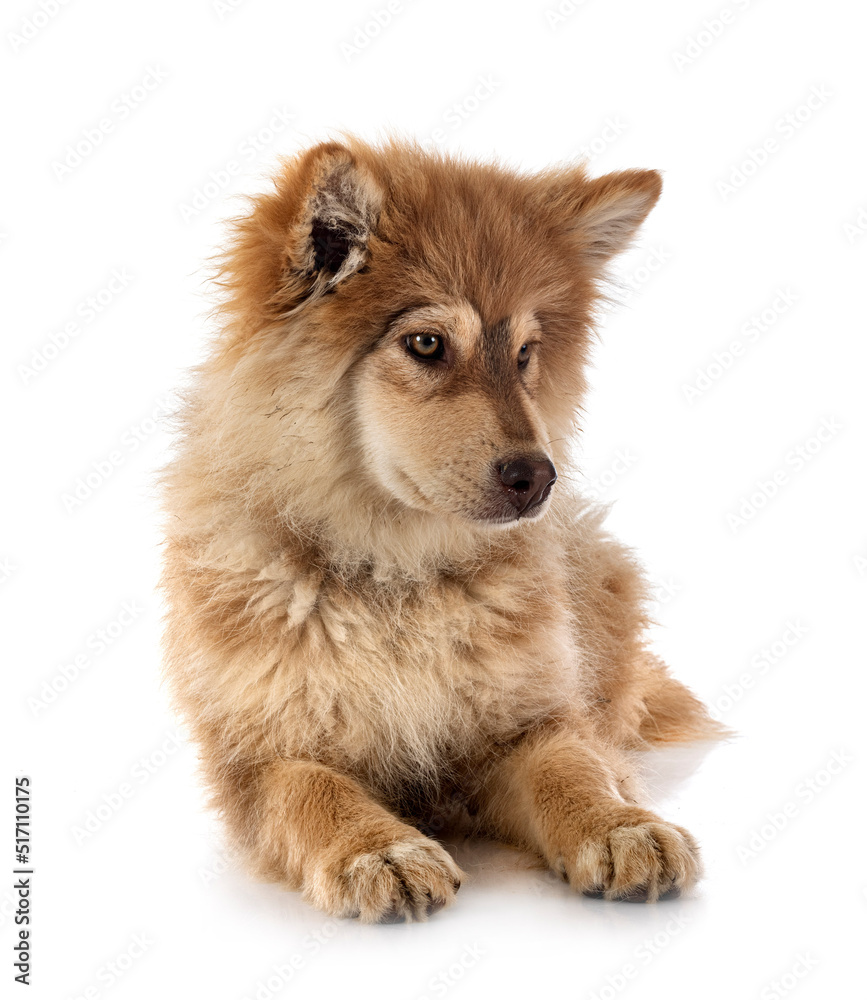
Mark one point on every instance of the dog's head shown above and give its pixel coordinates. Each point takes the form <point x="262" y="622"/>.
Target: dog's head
<point x="418" y="325"/>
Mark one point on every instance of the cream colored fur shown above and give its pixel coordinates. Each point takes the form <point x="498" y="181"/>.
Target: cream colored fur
<point x="358" y="635"/>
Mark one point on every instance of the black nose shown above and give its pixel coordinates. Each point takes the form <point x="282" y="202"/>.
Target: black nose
<point x="527" y="482"/>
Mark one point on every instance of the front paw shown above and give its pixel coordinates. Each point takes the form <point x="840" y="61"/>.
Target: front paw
<point x="630" y="854"/>
<point x="406" y="879"/>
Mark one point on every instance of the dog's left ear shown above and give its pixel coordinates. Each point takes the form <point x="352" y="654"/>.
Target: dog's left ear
<point x="605" y="213"/>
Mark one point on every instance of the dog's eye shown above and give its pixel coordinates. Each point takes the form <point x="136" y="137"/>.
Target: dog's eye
<point x="427" y="346"/>
<point x="523" y="355"/>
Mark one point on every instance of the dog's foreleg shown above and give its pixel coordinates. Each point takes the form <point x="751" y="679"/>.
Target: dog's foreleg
<point x="559" y="794"/>
<point x="313" y="828"/>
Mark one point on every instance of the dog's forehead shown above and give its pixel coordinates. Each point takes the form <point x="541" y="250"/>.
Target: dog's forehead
<point x="477" y="236"/>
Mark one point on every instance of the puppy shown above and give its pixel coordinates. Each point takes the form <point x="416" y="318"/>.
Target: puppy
<point x="386" y="599"/>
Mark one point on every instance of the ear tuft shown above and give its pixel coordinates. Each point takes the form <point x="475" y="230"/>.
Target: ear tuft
<point x="331" y="246"/>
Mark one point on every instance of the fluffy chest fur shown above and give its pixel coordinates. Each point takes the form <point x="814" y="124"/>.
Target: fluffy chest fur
<point x="390" y="679"/>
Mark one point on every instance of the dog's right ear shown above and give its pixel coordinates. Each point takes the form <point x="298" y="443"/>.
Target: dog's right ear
<point x="337" y="208"/>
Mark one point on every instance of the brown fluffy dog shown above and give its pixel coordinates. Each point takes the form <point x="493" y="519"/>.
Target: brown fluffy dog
<point x="379" y="603"/>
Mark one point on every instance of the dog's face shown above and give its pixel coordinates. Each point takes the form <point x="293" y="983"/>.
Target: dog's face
<point x="447" y="307"/>
<point x="449" y="416"/>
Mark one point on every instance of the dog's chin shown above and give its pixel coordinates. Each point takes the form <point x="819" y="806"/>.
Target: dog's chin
<point x="512" y="521"/>
<point x="504" y="515"/>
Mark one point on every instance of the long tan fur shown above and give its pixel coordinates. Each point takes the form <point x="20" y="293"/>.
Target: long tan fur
<point x="360" y="635"/>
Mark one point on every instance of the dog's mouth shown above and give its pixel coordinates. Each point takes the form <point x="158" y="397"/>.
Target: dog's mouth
<point x="515" y="492"/>
<point x="507" y="509"/>
<point x="534" y="508"/>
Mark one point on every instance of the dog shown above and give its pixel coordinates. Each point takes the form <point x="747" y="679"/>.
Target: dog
<point x="388" y="603"/>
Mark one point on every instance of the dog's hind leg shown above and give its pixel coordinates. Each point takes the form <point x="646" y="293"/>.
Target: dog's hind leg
<point x="559" y="794"/>
<point x="671" y="713"/>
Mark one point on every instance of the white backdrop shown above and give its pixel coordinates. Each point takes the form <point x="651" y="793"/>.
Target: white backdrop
<point x="726" y="421"/>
